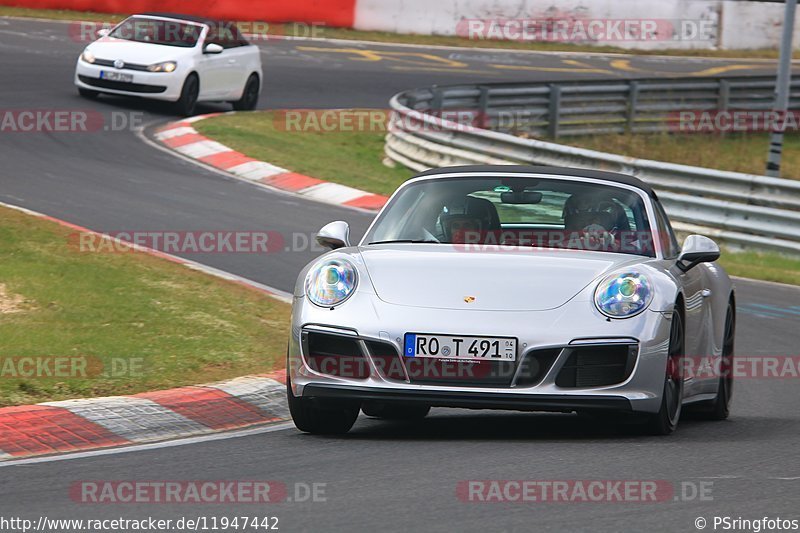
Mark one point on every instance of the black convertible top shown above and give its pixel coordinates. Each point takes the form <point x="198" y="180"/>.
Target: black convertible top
<point x="555" y="171"/>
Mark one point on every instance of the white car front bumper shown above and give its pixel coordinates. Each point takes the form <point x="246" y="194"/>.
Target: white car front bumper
<point x="153" y="85"/>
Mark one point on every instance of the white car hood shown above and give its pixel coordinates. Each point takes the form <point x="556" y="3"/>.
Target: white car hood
<point x="443" y="277"/>
<point x="133" y="52"/>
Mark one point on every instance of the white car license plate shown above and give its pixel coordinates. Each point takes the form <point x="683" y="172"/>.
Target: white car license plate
<point x="461" y="347"/>
<point x="116" y="76"/>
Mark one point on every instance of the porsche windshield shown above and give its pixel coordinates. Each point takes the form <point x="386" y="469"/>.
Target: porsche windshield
<point x="158" y="31"/>
<point x="517" y="211"/>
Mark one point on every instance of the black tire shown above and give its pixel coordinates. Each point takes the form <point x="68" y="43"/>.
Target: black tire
<point x="187" y="103"/>
<point x="249" y="99"/>
<point x="666" y="420"/>
<point x="719" y="407"/>
<point x="88" y="93"/>
<point x="310" y="418"/>
<point x="395" y="411"/>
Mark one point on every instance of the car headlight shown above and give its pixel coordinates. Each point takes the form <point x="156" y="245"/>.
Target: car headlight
<point x="87" y="56"/>
<point x="168" y="66"/>
<point x="331" y="282"/>
<point x="623" y="295"/>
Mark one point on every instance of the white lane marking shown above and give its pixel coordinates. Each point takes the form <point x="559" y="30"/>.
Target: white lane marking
<point x="152" y="446"/>
<point x="764" y="282"/>
<point x="256" y="170"/>
<point x="333" y="193"/>
<point x="175" y="132"/>
<point x="201" y="149"/>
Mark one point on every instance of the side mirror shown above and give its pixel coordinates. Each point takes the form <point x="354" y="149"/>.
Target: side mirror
<point x="697" y="249"/>
<point x="335" y="235"/>
<point x="213" y="48"/>
<point x="103" y="32"/>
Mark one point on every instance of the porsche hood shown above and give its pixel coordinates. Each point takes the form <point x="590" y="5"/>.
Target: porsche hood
<point x="443" y="277"/>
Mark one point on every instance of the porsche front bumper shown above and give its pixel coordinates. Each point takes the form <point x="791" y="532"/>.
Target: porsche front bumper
<point x="575" y="327"/>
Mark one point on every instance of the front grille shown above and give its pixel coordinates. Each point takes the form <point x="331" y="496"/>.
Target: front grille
<point x="535" y="366"/>
<point x="387" y="360"/>
<point x="122" y="86"/>
<point x="335" y="355"/>
<point x="128" y="66"/>
<point x="597" y="366"/>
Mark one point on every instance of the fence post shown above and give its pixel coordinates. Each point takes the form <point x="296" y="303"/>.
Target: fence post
<point x="483" y="120"/>
<point x="436" y="104"/>
<point x="554" y="111"/>
<point x="724" y="95"/>
<point x="633" y="101"/>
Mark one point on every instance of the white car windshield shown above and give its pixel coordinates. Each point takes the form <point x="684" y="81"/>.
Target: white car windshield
<point x="517" y="211"/>
<point x="158" y="31"/>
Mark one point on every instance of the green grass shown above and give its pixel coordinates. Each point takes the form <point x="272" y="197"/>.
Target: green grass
<point x="353" y="158"/>
<point x="302" y="30"/>
<point x="737" y="152"/>
<point x="769" y="267"/>
<point x="180" y="326"/>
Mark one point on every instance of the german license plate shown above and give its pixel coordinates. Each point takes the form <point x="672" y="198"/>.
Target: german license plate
<point x="116" y="76"/>
<point x="461" y="347"/>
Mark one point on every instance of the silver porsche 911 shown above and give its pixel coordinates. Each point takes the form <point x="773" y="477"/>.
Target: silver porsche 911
<point x="521" y="288"/>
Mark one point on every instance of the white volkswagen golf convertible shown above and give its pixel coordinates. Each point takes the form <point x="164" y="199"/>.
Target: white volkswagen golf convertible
<point x="173" y="58"/>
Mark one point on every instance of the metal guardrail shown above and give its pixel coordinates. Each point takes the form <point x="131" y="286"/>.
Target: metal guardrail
<point x="743" y="210"/>
<point x="581" y="108"/>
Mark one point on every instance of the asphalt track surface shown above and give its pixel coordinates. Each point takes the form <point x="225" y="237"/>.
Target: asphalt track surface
<point x="387" y="476"/>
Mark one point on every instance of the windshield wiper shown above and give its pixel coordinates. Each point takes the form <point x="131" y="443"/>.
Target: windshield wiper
<point x="406" y="241"/>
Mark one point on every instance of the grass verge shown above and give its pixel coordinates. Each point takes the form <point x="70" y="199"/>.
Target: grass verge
<point x="302" y="30"/>
<point x="140" y="323"/>
<point x="740" y="152"/>
<point x="767" y="267"/>
<point x="353" y="158"/>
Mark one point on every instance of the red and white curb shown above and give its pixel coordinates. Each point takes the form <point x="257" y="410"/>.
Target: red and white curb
<point x="182" y="138"/>
<point x="87" y="424"/>
<point x="76" y="425"/>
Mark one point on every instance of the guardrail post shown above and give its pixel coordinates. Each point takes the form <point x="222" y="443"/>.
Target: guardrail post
<point x="483" y="108"/>
<point x="436" y="103"/>
<point x="724" y="95"/>
<point x="554" y="111"/>
<point x="633" y="101"/>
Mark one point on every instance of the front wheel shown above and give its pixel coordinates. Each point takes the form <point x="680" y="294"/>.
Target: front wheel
<point x="249" y="99"/>
<point x="666" y="420"/>
<point x="186" y="104"/>
<point x="719" y="407"/>
<point x="337" y="419"/>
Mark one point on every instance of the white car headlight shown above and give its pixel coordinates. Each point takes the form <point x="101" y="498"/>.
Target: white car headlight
<point x="87" y="56"/>
<point x="167" y="66"/>
<point x="331" y="282"/>
<point x="623" y="295"/>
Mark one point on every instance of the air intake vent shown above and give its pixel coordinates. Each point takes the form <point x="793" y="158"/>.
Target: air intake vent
<point x="597" y="366"/>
